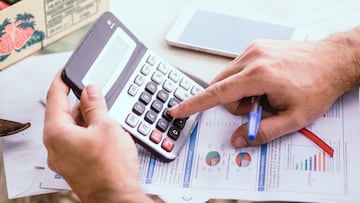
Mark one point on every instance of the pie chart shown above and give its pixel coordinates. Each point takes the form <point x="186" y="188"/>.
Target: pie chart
<point x="243" y="159"/>
<point x="212" y="158"/>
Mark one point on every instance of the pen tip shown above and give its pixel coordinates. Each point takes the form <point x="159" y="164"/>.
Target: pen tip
<point x="251" y="137"/>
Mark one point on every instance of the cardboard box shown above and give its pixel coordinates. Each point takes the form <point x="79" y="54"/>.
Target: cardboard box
<point x="30" y="25"/>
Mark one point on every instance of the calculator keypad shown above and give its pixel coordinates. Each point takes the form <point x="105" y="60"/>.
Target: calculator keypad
<point x="157" y="87"/>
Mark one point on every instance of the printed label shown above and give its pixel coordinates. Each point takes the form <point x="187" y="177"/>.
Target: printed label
<point x="62" y="14"/>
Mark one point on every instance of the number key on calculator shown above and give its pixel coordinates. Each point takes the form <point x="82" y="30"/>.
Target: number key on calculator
<point x="154" y="87"/>
<point x="138" y="85"/>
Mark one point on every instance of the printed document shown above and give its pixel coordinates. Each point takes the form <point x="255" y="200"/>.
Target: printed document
<point x="290" y="168"/>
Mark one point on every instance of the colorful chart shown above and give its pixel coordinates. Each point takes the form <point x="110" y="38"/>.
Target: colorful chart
<point x="212" y="158"/>
<point x="319" y="162"/>
<point x="243" y="159"/>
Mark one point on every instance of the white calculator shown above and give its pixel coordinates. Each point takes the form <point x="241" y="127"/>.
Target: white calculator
<point x="139" y="86"/>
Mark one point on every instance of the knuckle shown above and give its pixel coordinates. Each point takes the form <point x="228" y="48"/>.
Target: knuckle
<point x="232" y="109"/>
<point x="257" y="47"/>
<point x="216" y="90"/>
<point x="107" y="125"/>
<point x="89" y="109"/>
<point x="237" y="108"/>
<point x="261" y="69"/>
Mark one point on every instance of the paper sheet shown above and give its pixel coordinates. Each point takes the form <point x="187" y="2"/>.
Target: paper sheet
<point x="22" y="87"/>
<point x="289" y="168"/>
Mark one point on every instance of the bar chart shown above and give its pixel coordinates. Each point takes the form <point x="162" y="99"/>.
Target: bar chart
<point x="315" y="159"/>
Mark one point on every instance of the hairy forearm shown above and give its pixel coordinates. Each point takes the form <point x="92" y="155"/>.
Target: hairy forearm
<point x="347" y="56"/>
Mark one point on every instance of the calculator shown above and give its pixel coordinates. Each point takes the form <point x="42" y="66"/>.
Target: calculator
<point x="139" y="86"/>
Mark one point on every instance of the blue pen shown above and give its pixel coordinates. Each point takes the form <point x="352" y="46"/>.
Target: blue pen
<point x="254" y="117"/>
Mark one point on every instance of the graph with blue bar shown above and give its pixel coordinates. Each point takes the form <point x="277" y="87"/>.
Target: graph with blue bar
<point x="312" y="159"/>
<point x="318" y="162"/>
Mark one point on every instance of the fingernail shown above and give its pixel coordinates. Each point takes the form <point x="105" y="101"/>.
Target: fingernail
<point x="171" y="112"/>
<point x="239" y="142"/>
<point x="93" y="91"/>
<point x="171" y="109"/>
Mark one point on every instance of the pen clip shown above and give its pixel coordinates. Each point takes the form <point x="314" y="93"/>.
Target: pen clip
<point x="259" y="112"/>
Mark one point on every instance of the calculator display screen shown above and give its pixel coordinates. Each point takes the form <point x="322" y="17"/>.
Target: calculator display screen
<point x="111" y="61"/>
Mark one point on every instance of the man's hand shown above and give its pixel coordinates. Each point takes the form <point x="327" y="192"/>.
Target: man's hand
<point x="98" y="159"/>
<point x="298" y="82"/>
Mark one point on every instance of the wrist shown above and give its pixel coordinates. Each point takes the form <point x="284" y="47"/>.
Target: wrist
<point x="346" y="46"/>
<point x="113" y="195"/>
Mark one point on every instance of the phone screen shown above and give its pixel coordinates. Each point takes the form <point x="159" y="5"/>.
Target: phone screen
<point x="228" y="33"/>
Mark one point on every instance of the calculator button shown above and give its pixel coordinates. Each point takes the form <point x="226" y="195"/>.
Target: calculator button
<point x="173" y="102"/>
<point x="162" y="125"/>
<point x="151" y="87"/>
<point x="185" y="83"/>
<point x="163" y="68"/>
<point x="138" y="108"/>
<point x="169" y="85"/>
<point x="157" y="106"/>
<point x="195" y="90"/>
<point x="145" y="69"/>
<point x="174" y="133"/>
<point x="144" y="128"/>
<point x="166" y="115"/>
<point x="145" y="97"/>
<point x="151" y="60"/>
<point x="132" y="120"/>
<point x="150" y="116"/>
<point x="181" y="94"/>
<point x="167" y="144"/>
<point x="174" y="76"/>
<point x="157" y="77"/>
<point x="162" y="95"/>
<point x="179" y="123"/>
<point x="156" y="136"/>
<point x="139" y="80"/>
<point x="133" y="89"/>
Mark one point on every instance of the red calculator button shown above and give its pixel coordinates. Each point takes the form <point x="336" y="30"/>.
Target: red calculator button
<point x="167" y="144"/>
<point x="156" y="136"/>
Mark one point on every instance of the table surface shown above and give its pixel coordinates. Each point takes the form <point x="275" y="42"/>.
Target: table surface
<point x="151" y="20"/>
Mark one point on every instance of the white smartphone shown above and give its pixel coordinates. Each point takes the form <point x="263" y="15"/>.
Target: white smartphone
<point x="212" y="32"/>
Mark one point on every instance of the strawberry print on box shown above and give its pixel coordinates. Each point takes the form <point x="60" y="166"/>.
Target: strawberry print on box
<point x="18" y="34"/>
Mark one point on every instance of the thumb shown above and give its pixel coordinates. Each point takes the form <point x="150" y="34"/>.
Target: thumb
<point x="93" y="105"/>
